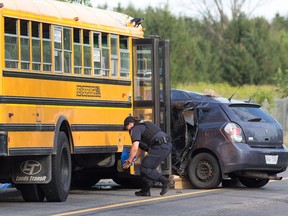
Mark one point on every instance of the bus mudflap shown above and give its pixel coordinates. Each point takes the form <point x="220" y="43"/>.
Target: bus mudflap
<point x="32" y="170"/>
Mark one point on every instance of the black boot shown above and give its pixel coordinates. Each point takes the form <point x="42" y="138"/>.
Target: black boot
<point x="146" y="185"/>
<point x="143" y="193"/>
<point x="166" y="184"/>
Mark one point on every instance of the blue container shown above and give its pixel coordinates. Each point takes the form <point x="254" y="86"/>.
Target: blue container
<point x="124" y="156"/>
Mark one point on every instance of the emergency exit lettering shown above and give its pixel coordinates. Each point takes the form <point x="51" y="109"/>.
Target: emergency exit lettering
<point x="88" y="91"/>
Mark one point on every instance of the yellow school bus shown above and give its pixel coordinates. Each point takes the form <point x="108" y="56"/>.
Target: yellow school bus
<point x="69" y="76"/>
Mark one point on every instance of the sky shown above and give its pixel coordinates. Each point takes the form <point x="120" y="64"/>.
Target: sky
<point x="267" y="8"/>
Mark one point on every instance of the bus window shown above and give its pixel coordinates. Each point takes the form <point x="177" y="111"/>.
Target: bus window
<point x="124" y="57"/>
<point x="77" y="51"/>
<point x="143" y="78"/>
<point x="36" y="51"/>
<point x="105" y="55"/>
<point x="144" y="64"/>
<point x="67" y="50"/>
<point x="114" y="55"/>
<point x="47" y="54"/>
<point x="97" y="54"/>
<point x="58" y="48"/>
<point x="11" y="43"/>
<point x="25" y="44"/>
<point x="87" y="52"/>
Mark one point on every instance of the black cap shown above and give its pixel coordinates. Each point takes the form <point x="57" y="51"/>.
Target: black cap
<point x="128" y="120"/>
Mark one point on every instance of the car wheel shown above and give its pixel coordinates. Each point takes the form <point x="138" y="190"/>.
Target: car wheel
<point x="252" y="182"/>
<point x="231" y="183"/>
<point x="204" y="171"/>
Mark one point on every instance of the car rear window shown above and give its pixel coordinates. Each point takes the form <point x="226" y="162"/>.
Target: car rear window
<point x="211" y="114"/>
<point x="251" y="113"/>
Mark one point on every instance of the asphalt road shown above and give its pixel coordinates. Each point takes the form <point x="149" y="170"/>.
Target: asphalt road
<point x="107" y="198"/>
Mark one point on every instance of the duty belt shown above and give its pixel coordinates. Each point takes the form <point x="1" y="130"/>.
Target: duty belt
<point x="161" y="140"/>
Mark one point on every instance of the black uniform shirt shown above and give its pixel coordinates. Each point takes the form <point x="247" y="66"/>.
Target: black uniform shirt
<point x="136" y="132"/>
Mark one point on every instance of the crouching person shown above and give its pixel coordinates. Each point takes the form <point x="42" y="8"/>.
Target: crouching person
<point x="147" y="136"/>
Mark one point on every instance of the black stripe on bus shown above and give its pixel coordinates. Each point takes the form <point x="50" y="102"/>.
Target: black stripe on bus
<point x="99" y="127"/>
<point x="49" y="151"/>
<point x="51" y="127"/>
<point x="27" y="127"/>
<point x="63" y="102"/>
<point x="97" y="149"/>
<point x="30" y="151"/>
<point x="61" y="77"/>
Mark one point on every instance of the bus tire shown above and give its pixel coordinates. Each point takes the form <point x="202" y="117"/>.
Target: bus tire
<point x="204" y="171"/>
<point x="57" y="189"/>
<point x="31" y="192"/>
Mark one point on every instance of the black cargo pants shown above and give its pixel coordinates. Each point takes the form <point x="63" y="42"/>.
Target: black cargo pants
<point x="151" y="161"/>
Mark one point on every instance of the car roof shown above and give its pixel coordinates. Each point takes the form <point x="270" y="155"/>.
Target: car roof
<point x="197" y="99"/>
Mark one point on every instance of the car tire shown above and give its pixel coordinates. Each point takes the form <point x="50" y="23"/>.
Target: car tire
<point x="204" y="171"/>
<point x="252" y="182"/>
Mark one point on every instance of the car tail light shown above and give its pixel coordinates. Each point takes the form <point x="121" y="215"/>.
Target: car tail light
<point x="233" y="132"/>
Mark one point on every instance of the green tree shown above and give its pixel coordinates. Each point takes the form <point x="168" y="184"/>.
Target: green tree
<point x="234" y="49"/>
<point x="281" y="78"/>
<point x="247" y="52"/>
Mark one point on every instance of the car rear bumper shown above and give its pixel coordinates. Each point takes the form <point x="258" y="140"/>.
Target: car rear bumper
<point x="241" y="157"/>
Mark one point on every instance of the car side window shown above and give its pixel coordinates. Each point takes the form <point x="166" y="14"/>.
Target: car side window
<point x="202" y="114"/>
<point x="210" y="114"/>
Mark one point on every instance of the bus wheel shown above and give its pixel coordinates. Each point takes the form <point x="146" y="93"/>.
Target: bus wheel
<point x="57" y="189"/>
<point x="252" y="182"/>
<point x="31" y="192"/>
<point x="204" y="171"/>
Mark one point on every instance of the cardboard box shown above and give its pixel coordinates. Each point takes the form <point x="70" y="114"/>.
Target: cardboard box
<point x="181" y="183"/>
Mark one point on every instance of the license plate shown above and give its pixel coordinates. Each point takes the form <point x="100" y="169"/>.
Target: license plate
<point x="271" y="159"/>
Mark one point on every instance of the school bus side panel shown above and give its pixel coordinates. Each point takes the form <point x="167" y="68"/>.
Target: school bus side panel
<point x="57" y="99"/>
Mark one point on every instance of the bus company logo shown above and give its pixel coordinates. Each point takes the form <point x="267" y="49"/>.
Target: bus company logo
<point x="30" y="167"/>
<point x="88" y="91"/>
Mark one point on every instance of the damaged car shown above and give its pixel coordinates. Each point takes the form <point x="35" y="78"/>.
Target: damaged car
<point x="219" y="139"/>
